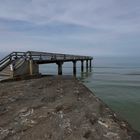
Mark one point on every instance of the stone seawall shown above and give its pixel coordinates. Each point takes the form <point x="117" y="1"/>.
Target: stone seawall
<point x="57" y="108"/>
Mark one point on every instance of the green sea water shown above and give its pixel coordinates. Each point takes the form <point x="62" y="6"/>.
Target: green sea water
<point x="114" y="80"/>
<point x="118" y="84"/>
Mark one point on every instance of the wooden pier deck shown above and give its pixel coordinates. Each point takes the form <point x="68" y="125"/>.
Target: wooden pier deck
<point x="27" y="63"/>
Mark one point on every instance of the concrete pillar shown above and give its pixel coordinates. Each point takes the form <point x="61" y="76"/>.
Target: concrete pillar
<point x="74" y="67"/>
<point x="86" y="64"/>
<point x="90" y="63"/>
<point x="60" y="68"/>
<point x="11" y="70"/>
<point x="26" y="68"/>
<point x="31" y="67"/>
<point x="82" y="65"/>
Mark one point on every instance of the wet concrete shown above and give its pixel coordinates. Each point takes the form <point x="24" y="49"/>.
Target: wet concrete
<point x="57" y="108"/>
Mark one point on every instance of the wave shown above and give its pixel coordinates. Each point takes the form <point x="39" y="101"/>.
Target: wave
<point x="137" y="74"/>
<point x="118" y="67"/>
<point x="106" y="72"/>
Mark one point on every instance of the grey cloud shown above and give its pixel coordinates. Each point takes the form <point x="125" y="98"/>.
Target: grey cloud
<point x="114" y="21"/>
<point x="91" y="13"/>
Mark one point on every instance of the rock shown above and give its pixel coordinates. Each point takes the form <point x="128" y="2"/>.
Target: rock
<point x="112" y="135"/>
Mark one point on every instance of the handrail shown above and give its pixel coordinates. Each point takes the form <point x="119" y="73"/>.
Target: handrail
<point x="33" y="54"/>
<point x="8" y="58"/>
<point x="11" y="55"/>
<point x="5" y="57"/>
<point x="47" y="53"/>
<point x="39" y="56"/>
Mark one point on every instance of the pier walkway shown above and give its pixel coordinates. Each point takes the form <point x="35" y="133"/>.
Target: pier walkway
<point x="27" y="63"/>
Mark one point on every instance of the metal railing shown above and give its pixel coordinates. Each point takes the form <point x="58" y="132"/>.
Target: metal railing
<point x="55" y="56"/>
<point x="38" y="56"/>
<point x="10" y="58"/>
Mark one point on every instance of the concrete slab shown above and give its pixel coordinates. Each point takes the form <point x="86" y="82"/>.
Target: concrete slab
<point x="57" y="108"/>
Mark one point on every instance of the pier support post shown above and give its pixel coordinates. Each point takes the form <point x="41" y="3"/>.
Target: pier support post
<point x="86" y="64"/>
<point x="27" y="68"/>
<point x="60" y="68"/>
<point x="82" y="65"/>
<point x="31" y="67"/>
<point x="90" y="63"/>
<point x="74" y="68"/>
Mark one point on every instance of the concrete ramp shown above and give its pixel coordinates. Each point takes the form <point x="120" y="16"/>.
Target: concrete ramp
<point x="17" y="64"/>
<point x="10" y="62"/>
<point x="57" y="108"/>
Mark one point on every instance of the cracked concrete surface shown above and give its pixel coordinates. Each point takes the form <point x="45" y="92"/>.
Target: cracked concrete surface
<point x="57" y="108"/>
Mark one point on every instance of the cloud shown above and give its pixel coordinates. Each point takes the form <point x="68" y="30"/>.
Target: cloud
<point x="100" y="14"/>
<point x="97" y="23"/>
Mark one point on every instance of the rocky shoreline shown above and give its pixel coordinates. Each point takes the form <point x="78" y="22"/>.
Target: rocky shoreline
<point x="57" y="108"/>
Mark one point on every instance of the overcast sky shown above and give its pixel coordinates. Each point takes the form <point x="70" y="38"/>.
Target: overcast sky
<point x="90" y="27"/>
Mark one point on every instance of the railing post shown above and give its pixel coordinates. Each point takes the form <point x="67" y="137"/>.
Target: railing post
<point x="31" y="66"/>
<point x="74" y="68"/>
<point x="30" y="56"/>
<point x="40" y="57"/>
<point x="64" y="56"/>
<point x="16" y="55"/>
<point x="25" y="57"/>
<point x="10" y="57"/>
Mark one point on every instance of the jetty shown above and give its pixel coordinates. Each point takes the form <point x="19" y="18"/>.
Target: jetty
<point x="27" y="63"/>
<point x="57" y="108"/>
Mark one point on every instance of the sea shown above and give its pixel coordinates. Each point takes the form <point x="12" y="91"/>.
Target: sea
<point x="115" y="80"/>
